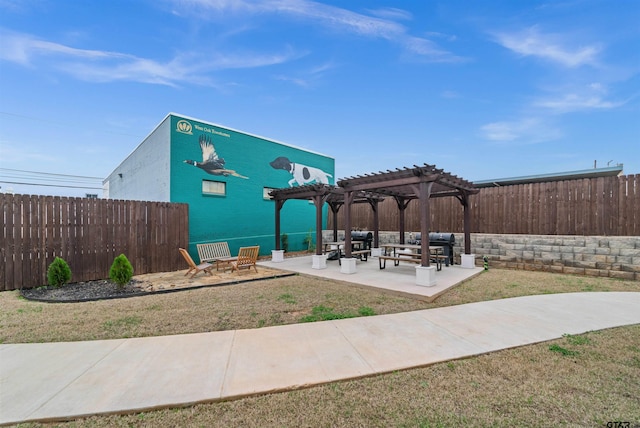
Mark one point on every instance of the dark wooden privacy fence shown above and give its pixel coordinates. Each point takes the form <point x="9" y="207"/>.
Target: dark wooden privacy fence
<point x="607" y="206"/>
<point x="88" y="234"/>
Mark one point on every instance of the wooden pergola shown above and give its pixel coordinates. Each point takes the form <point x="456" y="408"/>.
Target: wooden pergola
<point x="404" y="185"/>
<point x="319" y="194"/>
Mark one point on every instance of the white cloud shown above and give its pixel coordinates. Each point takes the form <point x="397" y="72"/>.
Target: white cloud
<point x="22" y="48"/>
<point x="391" y="13"/>
<point x="574" y="102"/>
<point x="381" y="25"/>
<point x="449" y="94"/>
<point x="523" y="131"/>
<point x="589" y="97"/>
<point x="330" y="16"/>
<point x="105" y="66"/>
<point x="447" y="37"/>
<point x="309" y="77"/>
<point x="427" y="49"/>
<point x="551" y="47"/>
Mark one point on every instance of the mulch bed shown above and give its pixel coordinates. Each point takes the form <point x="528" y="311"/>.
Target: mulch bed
<point x="147" y="284"/>
<point x="83" y="291"/>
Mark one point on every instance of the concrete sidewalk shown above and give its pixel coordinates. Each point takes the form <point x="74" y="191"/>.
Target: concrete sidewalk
<point x="66" y="380"/>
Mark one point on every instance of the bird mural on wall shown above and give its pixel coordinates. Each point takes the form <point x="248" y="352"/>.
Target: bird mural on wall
<point x="211" y="162"/>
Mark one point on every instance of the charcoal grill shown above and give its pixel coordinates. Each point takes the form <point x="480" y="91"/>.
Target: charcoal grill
<point x="362" y="236"/>
<point x="438" y="239"/>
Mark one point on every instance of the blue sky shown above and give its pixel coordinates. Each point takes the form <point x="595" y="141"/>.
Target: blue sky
<point x="482" y="89"/>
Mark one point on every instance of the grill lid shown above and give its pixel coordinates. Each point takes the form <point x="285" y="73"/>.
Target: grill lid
<point x="361" y="236"/>
<point x="438" y="237"/>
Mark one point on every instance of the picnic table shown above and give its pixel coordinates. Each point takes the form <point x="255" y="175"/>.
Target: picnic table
<point x="392" y="252"/>
<point x="357" y="249"/>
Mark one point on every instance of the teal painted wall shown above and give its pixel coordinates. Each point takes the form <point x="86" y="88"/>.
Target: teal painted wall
<point x="242" y="217"/>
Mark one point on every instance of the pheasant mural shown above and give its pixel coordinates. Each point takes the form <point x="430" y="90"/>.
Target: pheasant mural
<point x="211" y="162"/>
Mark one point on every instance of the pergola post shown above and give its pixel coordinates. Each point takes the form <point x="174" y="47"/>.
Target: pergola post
<point x="467" y="222"/>
<point x="277" y="255"/>
<point x="467" y="260"/>
<point x="278" y="204"/>
<point x="424" y="193"/>
<point x="376" y="221"/>
<point x="318" y="201"/>
<point x="348" y="199"/>
<point x="335" y="206"/>
<point x="402" y="205"/>
<point x="348" y="263"/>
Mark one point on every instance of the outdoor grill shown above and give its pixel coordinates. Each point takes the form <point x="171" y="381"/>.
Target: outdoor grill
<point x="437" y="239"/>
<point x="362" y="236"/>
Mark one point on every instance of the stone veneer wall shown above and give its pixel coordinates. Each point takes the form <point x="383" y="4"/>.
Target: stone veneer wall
<point x="610" y="256"/>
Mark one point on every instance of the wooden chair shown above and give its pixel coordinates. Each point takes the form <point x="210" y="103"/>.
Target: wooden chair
<point x="247" y="257"/>
<point x="202" y="267"/>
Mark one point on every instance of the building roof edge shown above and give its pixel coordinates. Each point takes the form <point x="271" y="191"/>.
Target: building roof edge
<point x="569" y="175"/>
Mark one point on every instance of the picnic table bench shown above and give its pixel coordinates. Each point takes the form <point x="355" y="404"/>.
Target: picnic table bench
<point x="357" y="250"/>
<point x="412" y="256"/>
<point x="415" y="258"/>
<point x="361" y="254"/>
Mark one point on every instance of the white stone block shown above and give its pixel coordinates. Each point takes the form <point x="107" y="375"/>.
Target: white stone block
<point x="426" y="276"/>
<point x="319" y="261"/>
<point x="468" y="261"/>
<point x="277" y="256"/>
<point x="348" y="266"/>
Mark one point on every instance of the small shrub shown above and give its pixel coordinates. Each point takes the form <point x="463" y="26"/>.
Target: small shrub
<point x="58" y="273"/>
<point x="121" y="271"/>
<point x="308" y="241"/>
<point x="284" y="239"/>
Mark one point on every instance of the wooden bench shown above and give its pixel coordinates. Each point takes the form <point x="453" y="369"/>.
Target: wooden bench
<point x="382" y="260"/>
<point x="216" y="252"/>
<point x="213" y="251"/>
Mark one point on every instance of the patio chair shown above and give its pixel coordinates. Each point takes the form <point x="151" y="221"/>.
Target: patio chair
<point x="202" y="267"/>
<point x="247" y="257"/>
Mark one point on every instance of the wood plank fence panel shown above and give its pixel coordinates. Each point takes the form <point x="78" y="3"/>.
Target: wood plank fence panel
<point x="589" y="206"/>
<point x="636" y="209"/>
<point x="14" y="254"/>
<point x="633" y="204"/>
<point x="88" y="234"/>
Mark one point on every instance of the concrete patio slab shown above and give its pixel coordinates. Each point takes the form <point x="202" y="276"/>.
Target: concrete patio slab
<point x="399" y="280"/>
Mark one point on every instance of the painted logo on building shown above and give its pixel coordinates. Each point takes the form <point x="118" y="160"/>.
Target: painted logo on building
<point x="184" y="127"/>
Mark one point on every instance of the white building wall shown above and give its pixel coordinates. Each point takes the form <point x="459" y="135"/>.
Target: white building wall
<point x="145" y="174"/>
